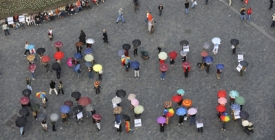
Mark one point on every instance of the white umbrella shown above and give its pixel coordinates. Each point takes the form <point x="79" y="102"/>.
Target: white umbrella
<point x="131" y="96"/>
<point x="216" y="40"/>
<point x="54" y="117"/>
<point x="245" y="123"/>
<point x="90" y="41"/>
<point x="162" y="55"/>
<point x="116" y="100"/>
<point x="89" y="107"/>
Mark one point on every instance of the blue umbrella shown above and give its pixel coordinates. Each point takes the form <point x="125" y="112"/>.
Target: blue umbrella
<point x="118" y="118"/>
<point x="181" y="111"/>
<point x="88" y="64"/>
<point x="180" y="91"/>
<point x="77" y="56"/>
<point x="88" y="51"/>
<point x="233" y="94"/>
<point x="134" y="64"/>
<point x="77" y="67"/>
<point x="220" y="66"/>
<point x="208" y="59"/>
<point x="30" y="47"/>
<point x="120" y="52"/>
<point x="235" y="107"/>
<point x="65" y="109"/>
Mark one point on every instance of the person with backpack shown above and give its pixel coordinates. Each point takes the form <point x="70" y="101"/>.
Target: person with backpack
<point x="249" y="12"/>
<point x="242" y="12"/>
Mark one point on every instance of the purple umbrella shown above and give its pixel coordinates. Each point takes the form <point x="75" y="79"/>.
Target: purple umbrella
<point x="161" y="120"/>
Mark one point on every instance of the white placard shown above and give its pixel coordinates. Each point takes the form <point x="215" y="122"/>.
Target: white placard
<point x="185" y="48"/>
<point x="21" y="18"/>
<point x="79" y="115"/>
<point x="138" y="122"/>
<point x="117" y="125"/>
<point x="239" y="67"/>
<point x="199" y="125"/>
<point x="240" y="57"/>
<point x="10" y="20"/>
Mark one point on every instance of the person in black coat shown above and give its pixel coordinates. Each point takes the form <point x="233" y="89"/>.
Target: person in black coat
<point x="82" y="37"/>
<point x="105" y="36"/>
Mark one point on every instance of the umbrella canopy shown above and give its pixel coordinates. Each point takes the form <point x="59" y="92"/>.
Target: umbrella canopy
<point x="134" y="64"/>
<point x="40" y="94"/>
<point x="208" y="59"/>
<point x="24" y="100"/>
<point x="65" y="109"/>
<point x="169" y="112"/>
<point x="78" y="109"/>
<point x="40" y="51"/>
<point x="89" y="107"/>
<point x="96" y="116"/>
<point x="35" y="107"/>
<point x="88" y="64"/>
<point x="220" y="108"/>
<point x="32" y="67"/>
<point x="204" y="54"/>
<point x="221" y="93"/>
<point x="31" y="46"/>
<point x="184" y="43"/>
<point x="200" y="119"/>
<point x="192" y="111"/>
<point x="45" y="59"/>
<point x="58" y="55"/>
<point x="41" y="117"/>
<point x="187" y="102"/>
<point x="244" y="63"/>
<point x="163" y="67"/>
<point x="31" y="57"/>
<point x="206" y="45"/>
<point x="185" y="64"/>
<point x="76" y="95"/>
<point x="134" y="102"/>
<point x="120" y="52"/>
<point x="97" y="67"/>
<point x="78" y="44"/>
<point x="90" y="41"/>
<point x="222" y="100"/>
<point x="220" y="66"/>
<point x="177" y="98"/>
<point x="24" y="111"/>
<point x="120" y="93"/>
<point x="245" y="123"/>
<point x="117" y="110"/>
<point x="233" y="94"/>
<point x="26" y="92"/>
<point x="126" y="46"/>
<point x="235" y="107"/>
<point x="54" y="117"/>
<point x="69" y="62"/>
<point x="244" y="115"/>
<point x="234" y="41"/>
<point x="183" y="53"/>
<point x="181" y="111"/>
<point x="118" y="118"/>
<point x="131" y="96"/>
<point x="136" y="42"/>
<point x="84" y="101"/>
<point x="116" y="100"/>
<point x="173" y="55"/>
<point x="167" y="104"/>
<point x="125" y="60"/>
<point x="225" y="118"/>
<point x="216" y="40"/>
<point x="126" y="117"/>
<point x="88" y="51"/>
<point x="240" y="100"/>
<point x="56" y="66"/>
<point x="21" y="121"/>
<point x="58" y="44"/>
<point x="162" y="55"/>
<point x="77" y="56"/>
<point x="68" y="103"/>
<point x="180" y="91"/>
<point x="161" y="120"/>
<point x="138" y="109"/>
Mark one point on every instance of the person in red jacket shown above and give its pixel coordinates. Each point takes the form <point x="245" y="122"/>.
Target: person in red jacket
<point x="248" y="12"/>
<point x="186" y="70"/>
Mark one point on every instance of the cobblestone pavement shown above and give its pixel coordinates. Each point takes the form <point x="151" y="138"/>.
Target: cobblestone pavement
<point x="199" y="26"/>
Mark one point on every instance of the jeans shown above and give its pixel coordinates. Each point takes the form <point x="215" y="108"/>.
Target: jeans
<point x="120" y="17"/>
<point x="60" y="89"/>
<point x="248" y="17"/>
<point x="32" y="74"/>
<point x="26" y="51"/>
<point x="242" y="17"/>
<point x="160" y="12"/>
<point x="7" y="32"/>
<point x="162" y="75"/>
<point x="186" y="10"/>
<point x="206" y="2"/>
<point x="21" y="130"/>
<point x="193" y="120"/>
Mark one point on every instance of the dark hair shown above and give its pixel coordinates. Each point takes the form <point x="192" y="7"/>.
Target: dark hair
<point x="60" y="82"/>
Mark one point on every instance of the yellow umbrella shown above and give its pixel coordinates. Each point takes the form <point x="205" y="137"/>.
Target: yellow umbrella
<point x="31" y="57"/>
<point x="162" y="55"/>
<point x="97" y="67"/>
<point x="89" y="58"/>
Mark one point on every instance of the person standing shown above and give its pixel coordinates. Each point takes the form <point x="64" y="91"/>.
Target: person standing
<point x="100" y="73"/>
<point x="97" y="87"/>
<point x="44" y="125"/>
<point x="82" y="37"/>
<point x="160" y="9"/>
<point x="249" y="12"/>
<point x="120" y="16"/>
<point x="26" y="48"/>
<point x="50" y="34"/>
<point x="186" y="70"/>
<point x="105" y="36"/>
<point x="60" y="88"/>
<point x="162" y="75"/>
<point x="52" y="87"/>
<point x="273" y="21"/>
<point x="219" y="71"/>
<point x="28" y="82"/>
<point x="186" y="4"/>
<point x="271" y="4"/>
<point x="5" y="29"/>
<point x="242" y="12"/>
<point x="136" y="71"/>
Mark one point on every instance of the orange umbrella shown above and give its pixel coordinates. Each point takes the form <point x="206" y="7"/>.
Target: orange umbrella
<point x="45" y="59"/>
<point x="187" y="102"/>
<point x="204" y="54"/>
<point x="221" y="93"/>
<point x="58" y="55"/>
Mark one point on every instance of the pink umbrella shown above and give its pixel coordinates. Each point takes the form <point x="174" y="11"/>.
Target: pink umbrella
<point x="185" y="64"/>
<point x="204" y="54"/>
<point x="32" y="67"/>
<point x="134" y="102"/>
<point x="58" y="44"/>
<point x="192" y="111"/>
<point x="222" y="100"/>
<point x="163" y="67"/>
<point x="69" y="62"/>
<point x="24" y="100"/>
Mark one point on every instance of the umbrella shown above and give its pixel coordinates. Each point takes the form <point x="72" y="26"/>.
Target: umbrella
<point x="69" y="62"/>
<point x="235" y="107"/>
<point x="240" y="100"/>
<point x="187" y="102"/>
<point x="35" y="107"/>
<point x="204" y="54"/>
<point x="54" y="117"/>
<point x="208" y="59"/>
<point x="136" y="42"/>
<point x="192" y="111"/>
<point x="163" y="67"/>
<point x="40" y="51"/>
<point x="65" y="109"/>
<point x="222" y="100"/>
<point x="126" y="46"/>
<point x="206" y="45"/>
<point x="185" y="64"/>
<point x="200" y="119"/>
<point x="77" y="67"/>
<point x="244" y="63"/>
<point x="56" y="66"/>
<point x="169" y="112"/>
<point x="77" y="56"/>
<point x="76" y="95"/>
<point x="125" y="60"/>
<point x="24" y="100"/>
<point x="88" y="64"/>
<point x="131" y="96"/>
<point x="225" y="118"/>
<point x="245" y="123"/>
<point x="220" y="108"/>
<point x="173" y="54"/>
<point x="180" y="91"/>
<point x="181" y="111"/>
<point x="184" y="43"/>
<point x="220" y="66"/>
<point x="120" y="93"/>
<point x="116" y="100"/>
<point x="40" y="94"/>
<point x="117" y="110"/>
<point x="58" y="44"/>
<point x="167" y="104"/>
<point x="183" y="53"/>
<point x="45" y="59"/>
<point x="176" y="98"/>
<point x="78" y="44"/>
<point x="90" y="41"/>
<point x="89" y="107"/>
<point x="26" y="92"/>
<point x="234" y="41"/>
<point x="244" y="115"/>
<point x="118" y="118"/>
<point x="58" y="55"/>
<point x="78" y="109"/>
<point x="120" y="52"/>
<point x="21" y="121"/>
<point x="68" y="103"/>
<point x="161" y="120"/>
<point x="96" y="116"/>
<point x="84" y="101"/>
<point x="97" y="67"/>
<point x="138" y="109"/>
<point x="31" y="57"/>
<point x="29" y="47"/>
<point x="216" y="40"/>
<point x="41" y="117"/>
<point x="126" y="117"/>
<point x="233" y="94"/>
<point x="162" y="55"/>
<point x="221" y="93"/>
<point x="32" y="67"/>
<point x="134" y="102"/>
<point x="134" y="64"/>
<point x="88" y="51"/>
<point x="24" y="111"/>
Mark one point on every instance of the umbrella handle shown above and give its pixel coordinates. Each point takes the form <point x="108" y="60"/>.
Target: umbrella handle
<point x="167" y="120"/>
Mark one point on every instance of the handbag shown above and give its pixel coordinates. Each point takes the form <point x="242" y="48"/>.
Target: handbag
<point x="34" y="113"/>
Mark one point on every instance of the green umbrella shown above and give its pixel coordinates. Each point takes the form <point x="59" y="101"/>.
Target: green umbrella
<point x="240" y="100"/>
<point x="139" y="109"/>
<point x="35" y="107"/>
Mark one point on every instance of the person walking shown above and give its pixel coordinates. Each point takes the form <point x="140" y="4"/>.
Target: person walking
<point x="186" y="4"/>
<point x="215" y="49"/>
<point x="97" y="87"/>
<point x="160" y="9"/>
<point x="219" y="71"/>
<point x="273" y="21"/>
<point x="44" y="101"/>
<point x="105" y="36"/>
<point x="64" y="118"/>
<point x="82" y="37"/>
<point x="186" y="70"/>
<point x="242" y="12"/>
<point x="5" y="29"/>
<point x="120" y="16"/>
<point x="50" y="34"/>
<point x="136" y="71"/>
<point x="271" y="4"/>
<point x="60" y="88"/>
<point x="100" y="73"/>
<point x="98" y="125"/>
<point x="28" y="82"/>
<point x="44" y="125"/>
<point x="52" y="87"/>
<point x="26" y="49"/>
<point x="194" y="3"/>
<point x="162" y="75"/>
<point x="249" y="12"/>
<point x="135" y="50"/>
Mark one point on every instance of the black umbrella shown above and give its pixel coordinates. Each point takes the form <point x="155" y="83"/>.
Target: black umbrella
<point x="244" y="115"/>
<point x="78" y="109"/>
<point x="184" y="43"/>
<point x="56" y="66"/>
<point x="76" y="94"/>
<point x="41" y="117"/>
<point x="234" y="41"/>
<point x="21" y="121"/>
<point x="35" y="107"/>
<point x="121" y="93"/>
<point x="244" y="63"/>
<point x="136" y="42"/>
<point x="126" y="46"/>
<point x="24" y="111"/>
<point x="126" y="117"/>
<point x="26" y="92"/>
<point x="40" y="51"/>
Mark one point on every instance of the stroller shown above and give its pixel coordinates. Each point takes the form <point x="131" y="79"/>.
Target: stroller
<point x="144" y="54"/>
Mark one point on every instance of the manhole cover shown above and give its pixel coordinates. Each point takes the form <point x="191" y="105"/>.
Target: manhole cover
<point x="188" y="31"/>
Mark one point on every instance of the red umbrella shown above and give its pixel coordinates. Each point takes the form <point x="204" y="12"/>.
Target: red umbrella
<point x="173" y="54"/>
<point x="84" y="101"/>
<point x="97" y="117"/>
<point x="58" y="44"/>
<point x="176" y="98"/>
<point x="185" y="64"/>
<point x="24" y="100"/>
<point x="221" y="93"/>
<point x="68" y="103"/>
<point x="45" y="59"/>
<point x="220" y="108"/>
<point x="163" y="67"/>
<point x="32" y="67"/>
<point x="58" y="55"/>
<point x="204" y="54"/>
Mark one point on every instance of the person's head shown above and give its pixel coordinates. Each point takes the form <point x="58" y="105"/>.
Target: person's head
<point x="60" y="82"/>
<point x="52" y="80"/>
<point x="186" y="0"/>
<point x="50" y="28"/>
<point x="104" y="30"/>
<point x="160" y="4"/>
<point x="120" y="9"/>
<point x="27" y="78"/>
<point x="26" y="42"/>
